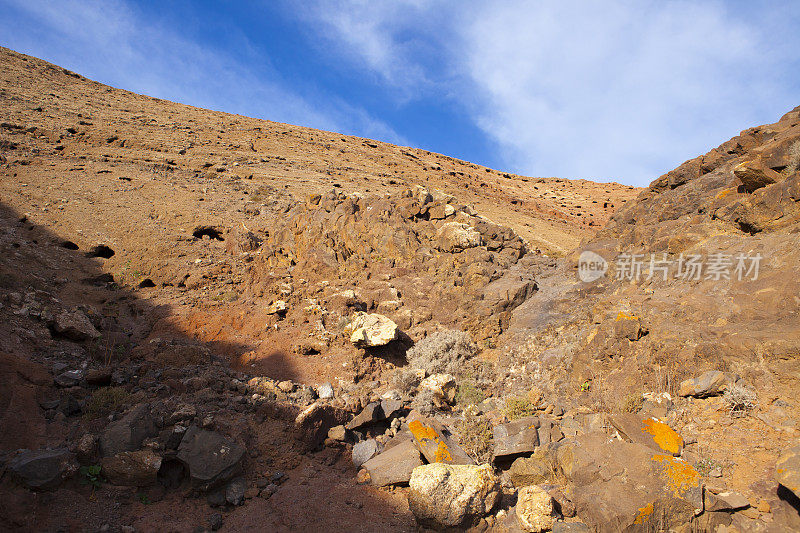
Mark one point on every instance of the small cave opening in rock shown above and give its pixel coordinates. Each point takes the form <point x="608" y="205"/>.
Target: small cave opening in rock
<point x="171" y="473"/>
<point x="101" y="250"/>
<point x="210" y="231"/>
<point x="146" y="283"/>
<point x="69" y="245"/>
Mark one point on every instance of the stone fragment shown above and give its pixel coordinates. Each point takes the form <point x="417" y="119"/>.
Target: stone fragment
<point x="364" y="451"/>
<point x="210" y="458"/>
<point x="443" y="387"/>
<point x="134" y="469"/>
<point x="42" y="469"/>
<point x="787" y="470"/>
<point x="436" y="443"/>
<point x="394" y="465"/>
<point x="75" y="325"/>
<point x="128" y="433"/>
<point x="516" y="437"/>
<point x="711" y="383"/>
<point x="648" y="431"/>
<point x="457" y="236"/>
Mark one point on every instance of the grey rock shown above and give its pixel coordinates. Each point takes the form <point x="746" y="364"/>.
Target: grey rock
<point x="364" y="451"/>
<point x="75" y="325"/>
<point x="517" y="437"/>
<point x="210" y="458"/>
<point x="234" y="492"/>
<point x="42" y="469"/>
<point x="725" y="501"/>
<point x="215" y="521"/>
<point x="69" y="378"/>
<point x="711" y="383"/>
<point x="395" y="464"/>
<point x="128" y="433"/>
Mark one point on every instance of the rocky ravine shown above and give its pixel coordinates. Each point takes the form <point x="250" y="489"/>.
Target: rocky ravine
<point x="186" y="346"/>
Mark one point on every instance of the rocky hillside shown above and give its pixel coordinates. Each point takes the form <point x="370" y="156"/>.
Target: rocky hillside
<point x="216" y="322"/>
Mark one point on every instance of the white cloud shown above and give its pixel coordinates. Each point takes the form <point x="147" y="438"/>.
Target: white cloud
<point x="619" y="89"/>
<point x="109" y="41"/>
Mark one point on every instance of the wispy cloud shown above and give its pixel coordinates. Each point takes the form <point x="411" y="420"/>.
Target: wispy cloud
<point x="617" y="90"/>
<point x="109" y="41"/>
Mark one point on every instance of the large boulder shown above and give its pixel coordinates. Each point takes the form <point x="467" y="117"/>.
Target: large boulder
<point x="128" y="433"/>
<point x="711" y="383"/>
<point x="210" y="458"/>
<point x="395" y="464"/>
<point x="618" y="485"/>
<point x="787" y="470"/>
<point x="754" y="174"/>
<point x="42" y="469"/>
<point x="457" y="236"/>
<point x="75" y="325"/>
<point x="516" y="437"/>
<point x="135" y="469"/>
<point x="535" y="509"/>
<point x="371" y="329"/>
<point x="444" y="495"/>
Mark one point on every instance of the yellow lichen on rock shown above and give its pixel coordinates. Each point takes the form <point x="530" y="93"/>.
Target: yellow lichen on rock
<point x="644" y="513"/>
<point x="663" y="435"/>
<point x="622" y="315"/>
<point x="679" y="475"/>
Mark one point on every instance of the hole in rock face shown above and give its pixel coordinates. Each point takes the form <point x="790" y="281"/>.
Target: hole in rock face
<point x="146" y="283"/>
<point x="171" y="473"/>
<point x="101" y="250"/>
<point x="69" y="245"/>
<point x="210" y="231"/>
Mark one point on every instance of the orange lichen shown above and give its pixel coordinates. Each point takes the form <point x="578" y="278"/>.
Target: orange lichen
<point x="722" y="194"/>
<point x="680" y="476"/>
<point x="644" y="513"/>
<point x="666" y="437"/>
<point x="425" y="433"/>
<point x="624" y="316"/>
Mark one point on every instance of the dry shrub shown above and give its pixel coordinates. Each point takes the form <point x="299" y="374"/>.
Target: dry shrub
<point x="443" y="352"/>
<point x="739" y="400"/>
<point x="106" y="400"/>
<point x="476" y="437"/>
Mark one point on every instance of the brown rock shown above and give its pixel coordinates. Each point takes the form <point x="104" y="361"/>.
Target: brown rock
<point x="136" y="469"/>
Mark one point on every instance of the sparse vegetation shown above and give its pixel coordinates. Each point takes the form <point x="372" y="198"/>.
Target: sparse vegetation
<point x="90" y="475"/>
<point x="476" y="437"/>
<point x="519" y="407"/>
<point x="468" y="392"/>
<point x="739" y="400"/>
<point x="406" y="379"/>
<point x="632" y="403"/>
<point x="106" y="400"/>
<point x="443" y="352"/>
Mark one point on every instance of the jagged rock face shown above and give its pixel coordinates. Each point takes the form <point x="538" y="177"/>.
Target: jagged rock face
<point x="736" y="207"/>
<point x="441" y="262"/>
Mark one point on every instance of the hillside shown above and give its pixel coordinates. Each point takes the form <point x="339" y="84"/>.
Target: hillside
<point x="209" y="322"/>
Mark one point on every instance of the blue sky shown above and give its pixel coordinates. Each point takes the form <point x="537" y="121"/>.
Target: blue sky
<point x="619" y="90"/>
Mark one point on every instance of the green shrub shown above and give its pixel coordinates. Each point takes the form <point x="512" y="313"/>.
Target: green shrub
<point x="106" y="400"/>
<point x="519" y="407"/>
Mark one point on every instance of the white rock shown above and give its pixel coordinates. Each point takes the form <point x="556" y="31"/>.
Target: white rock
<point x="535" y="509"/>
<point x="445" y="495"/>
<point x="369" y="330"/>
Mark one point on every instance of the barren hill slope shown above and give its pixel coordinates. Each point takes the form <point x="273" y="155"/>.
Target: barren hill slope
<point x="251" y="325"/>
<point x="86" y="128"/>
